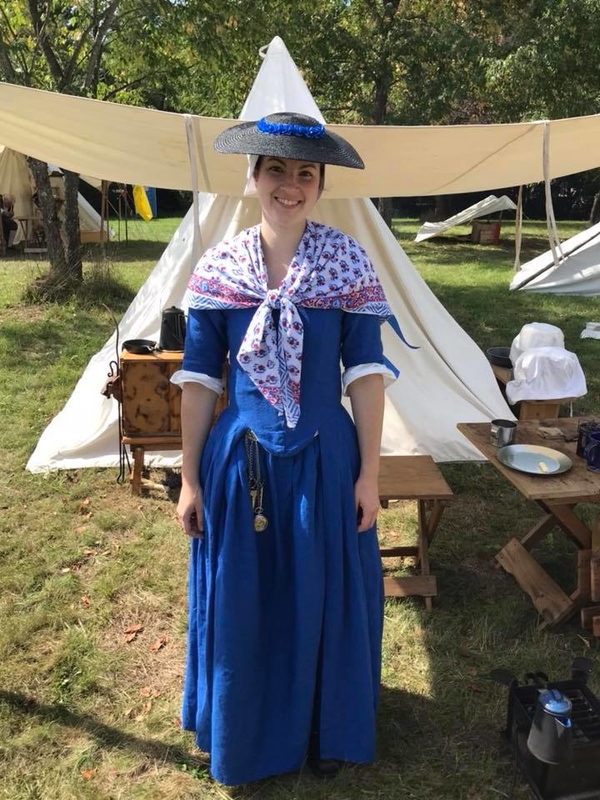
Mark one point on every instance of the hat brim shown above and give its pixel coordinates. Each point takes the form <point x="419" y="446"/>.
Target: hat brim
<point x="245" y="139"/>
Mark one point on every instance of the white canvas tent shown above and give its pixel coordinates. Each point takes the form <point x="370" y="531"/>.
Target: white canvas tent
<point x="484" y="208"/>
<point x="577" y="272"/>
<point x="15" y="179"/>
<point x="446" y="380"/>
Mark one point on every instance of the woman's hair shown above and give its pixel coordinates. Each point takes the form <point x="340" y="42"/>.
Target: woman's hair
<point x="321" y="172"/>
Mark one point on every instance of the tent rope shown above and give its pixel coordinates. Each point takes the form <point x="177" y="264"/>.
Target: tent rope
<point x="518" y="230"/>
<point x="557" y="253"/>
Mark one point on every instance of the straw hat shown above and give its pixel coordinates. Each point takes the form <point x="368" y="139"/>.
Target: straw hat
<point x="289" y="135"/>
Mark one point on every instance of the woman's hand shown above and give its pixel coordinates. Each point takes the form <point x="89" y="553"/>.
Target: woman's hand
<point x="366" y="500"/>
<point x="189" y="511"/>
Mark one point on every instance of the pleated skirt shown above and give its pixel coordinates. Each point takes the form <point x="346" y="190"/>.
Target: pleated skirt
<point x="284" y="638"/>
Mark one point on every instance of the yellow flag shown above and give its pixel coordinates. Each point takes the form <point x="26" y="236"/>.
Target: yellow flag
<point x="141" y="203"/>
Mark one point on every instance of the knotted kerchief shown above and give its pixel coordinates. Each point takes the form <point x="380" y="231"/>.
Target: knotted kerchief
<point x="329" y="270"/>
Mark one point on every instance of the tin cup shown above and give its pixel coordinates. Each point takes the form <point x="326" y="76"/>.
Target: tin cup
<point x="503" y="432"/>
<point x="584" y="429"/>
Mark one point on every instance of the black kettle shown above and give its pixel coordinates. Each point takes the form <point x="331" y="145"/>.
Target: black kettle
<point x="172" y="329"/>
<point x="551" y="736"/>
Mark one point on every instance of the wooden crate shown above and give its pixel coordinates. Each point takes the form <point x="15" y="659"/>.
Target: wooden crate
<point x="151" y="404"/>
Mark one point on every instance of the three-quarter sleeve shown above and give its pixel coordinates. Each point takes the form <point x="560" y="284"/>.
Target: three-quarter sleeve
<point x="362" y="350"/>
<point x="205" y="350"/>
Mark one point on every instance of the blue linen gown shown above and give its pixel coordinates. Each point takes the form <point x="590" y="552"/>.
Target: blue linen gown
<point x="284" y="640"/>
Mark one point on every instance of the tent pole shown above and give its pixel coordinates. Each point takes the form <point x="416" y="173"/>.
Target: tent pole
<point x="518" y="230"/>
<point x="103" y="210"/>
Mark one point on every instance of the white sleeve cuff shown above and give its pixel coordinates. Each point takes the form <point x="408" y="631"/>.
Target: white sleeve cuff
<point x="360" y="370"/>
<point x="187" y="376"/>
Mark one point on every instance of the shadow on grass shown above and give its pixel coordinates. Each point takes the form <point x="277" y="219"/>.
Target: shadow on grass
<point x="133" y="250"/>
<point x="105" y="735"/>
<point x="41" y="342"/>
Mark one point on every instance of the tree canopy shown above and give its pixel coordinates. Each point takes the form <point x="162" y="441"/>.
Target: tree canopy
<point x="365" y="61"/>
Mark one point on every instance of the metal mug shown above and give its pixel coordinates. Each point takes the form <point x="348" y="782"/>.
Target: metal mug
<point x="584" y="429"/>
<point x="503" y="432"/>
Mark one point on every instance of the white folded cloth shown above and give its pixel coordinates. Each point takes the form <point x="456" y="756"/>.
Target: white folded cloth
<point x="546" y="373"/>
<point x="535" y="334"/>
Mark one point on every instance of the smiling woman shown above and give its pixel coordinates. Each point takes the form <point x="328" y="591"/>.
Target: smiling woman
<point x="280" y="498"/>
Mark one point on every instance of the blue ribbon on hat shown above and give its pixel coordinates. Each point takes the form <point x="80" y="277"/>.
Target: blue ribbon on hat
<point x="287" y="129"/>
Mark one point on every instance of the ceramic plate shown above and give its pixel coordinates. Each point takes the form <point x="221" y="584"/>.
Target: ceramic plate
<point x="534" y="459"/>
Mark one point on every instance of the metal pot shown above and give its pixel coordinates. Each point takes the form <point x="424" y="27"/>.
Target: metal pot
<point x="551" y="736"/>
<point x="172" y="329"/>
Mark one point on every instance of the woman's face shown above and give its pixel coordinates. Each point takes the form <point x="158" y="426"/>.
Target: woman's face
<point x="287" y="189"/>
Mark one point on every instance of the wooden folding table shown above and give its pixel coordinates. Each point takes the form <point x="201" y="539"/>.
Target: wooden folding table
<point x="557" y="496"/>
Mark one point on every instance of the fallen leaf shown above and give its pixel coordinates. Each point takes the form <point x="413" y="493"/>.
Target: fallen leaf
<point x="159" y="644"/>
<point x="147" y="691"/>
<point x="134" y="629"/>
<point x="83" y="505"/>
<point x="64" y="570"/>
<point x="585" y="641"/>
<point x="128" y="712"/>
<point x="131" y="632"/>
<point x="85" y="600"/>
<point x="88" y="774"/>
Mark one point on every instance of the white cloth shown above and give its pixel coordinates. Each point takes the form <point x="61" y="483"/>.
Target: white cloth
<point x="546" y="373"/>
<point x="535" y="334"/>
<point x="187" y="376"/>
<point x="360" y="370"/>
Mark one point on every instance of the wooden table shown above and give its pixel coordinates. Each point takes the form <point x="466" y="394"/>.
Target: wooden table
<point x="530" y="409"/>
<point x="414" y="478"/>
<point x="557" y="496"/>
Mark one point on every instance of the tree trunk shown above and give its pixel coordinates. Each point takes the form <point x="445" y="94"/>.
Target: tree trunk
<point x="64" y="249"/>
<point x="385" y="206"/>
<point x="56" y="252"/>
<point x="72" y="229"/>
<point x="595" y="212"/>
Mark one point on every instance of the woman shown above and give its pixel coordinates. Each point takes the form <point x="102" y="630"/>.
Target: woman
<point x="281" y="498"/>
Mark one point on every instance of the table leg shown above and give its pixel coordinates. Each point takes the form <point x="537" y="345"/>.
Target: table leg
<point x="424" y="539"/>
<point x="138" y="466"/>
<point x="539" y="531"/>
<point x="575" y="528"/>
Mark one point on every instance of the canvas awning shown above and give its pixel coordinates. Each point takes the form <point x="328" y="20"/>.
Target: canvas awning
<point x="484" y="208"/>
<point x="148" y="147"/>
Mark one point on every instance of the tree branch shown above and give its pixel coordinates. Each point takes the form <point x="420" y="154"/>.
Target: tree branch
<point x="91" y="79"/>
<point x="38" y="27"/>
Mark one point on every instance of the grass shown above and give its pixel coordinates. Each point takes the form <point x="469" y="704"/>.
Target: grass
<point x="88" y="711"/>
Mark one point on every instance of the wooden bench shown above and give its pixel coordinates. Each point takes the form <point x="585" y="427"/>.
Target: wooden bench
<point x="415" y="478"/>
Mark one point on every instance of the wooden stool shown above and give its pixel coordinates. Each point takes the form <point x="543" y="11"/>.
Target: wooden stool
<point x="414" y="478"/>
